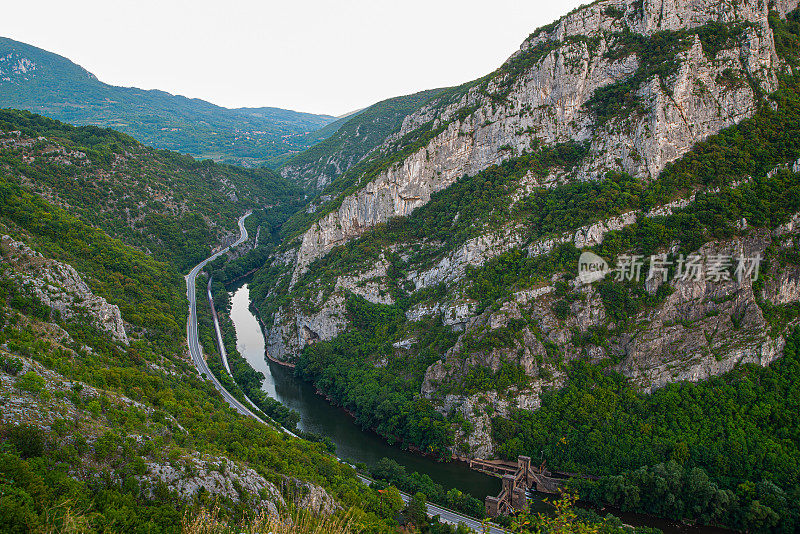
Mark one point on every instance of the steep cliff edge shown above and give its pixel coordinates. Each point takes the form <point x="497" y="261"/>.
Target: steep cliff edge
<point x="633" y="85"/>
<point x="352" y="143"/>
<point x="690" y="330"/>
<point x="441" y="288"/>
<point x="684" y="90"/>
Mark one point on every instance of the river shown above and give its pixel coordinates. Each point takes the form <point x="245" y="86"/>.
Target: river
<point x="318" y="416"/>
<point x="359" y="446"/>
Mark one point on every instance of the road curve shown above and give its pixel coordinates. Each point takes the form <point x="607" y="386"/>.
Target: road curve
<point x="447" y="516"/>
<point x="192" y="337"/>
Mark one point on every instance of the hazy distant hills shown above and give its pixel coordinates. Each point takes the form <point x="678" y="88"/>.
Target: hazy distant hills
<point x="49" y="84"/>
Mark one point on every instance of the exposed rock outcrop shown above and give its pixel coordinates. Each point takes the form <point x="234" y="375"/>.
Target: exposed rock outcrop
<point x="703" y="328"/>
<point x="301" y="328"/>
<point x="310" y="496"/>
<point x="59" y="286"/>
<point x="218" y="476"/>
<point x="547" y="102"/>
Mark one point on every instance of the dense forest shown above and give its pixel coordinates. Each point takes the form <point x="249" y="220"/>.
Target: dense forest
<point x="720" y="451"/>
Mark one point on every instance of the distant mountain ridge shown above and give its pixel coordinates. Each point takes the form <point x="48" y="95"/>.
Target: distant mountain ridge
<point x="43" y="82"/>
<point x="351" y="140"/>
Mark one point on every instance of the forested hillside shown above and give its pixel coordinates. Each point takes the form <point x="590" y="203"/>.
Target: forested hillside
<point x="436" y="296"/>
<point x="106" y="426"/>
<point x="46" y="83"/>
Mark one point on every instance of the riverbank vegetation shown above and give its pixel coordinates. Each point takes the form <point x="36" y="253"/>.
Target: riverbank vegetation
<point x="389" y="471"/>
<point x="244" y="381"/>
<point x="385" y="399"/>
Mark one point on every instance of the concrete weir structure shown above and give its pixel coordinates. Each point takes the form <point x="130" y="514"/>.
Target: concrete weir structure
<point x="513" y="495"/>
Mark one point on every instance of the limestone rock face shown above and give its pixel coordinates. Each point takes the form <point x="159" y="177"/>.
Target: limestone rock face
<point x="59" y="286"/>
<point x="703" y="328"/>
<point x="454" y="314"/>
<point x="16" y="68"/>
<point x="700" y="329"/>
<point x="323" y="318"/>
<point x="298" y="329"/>
<point x="218" y="476"/>
<point x="395" y="192"/>
<point x="474" y="252"/>
<point x="784" y="288"/>
<point x="547" y="102"/>
<point x="310" y="496"/>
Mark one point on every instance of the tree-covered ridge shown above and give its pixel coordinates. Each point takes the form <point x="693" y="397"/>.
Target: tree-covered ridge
<point x="159" y="201"/>
<point x="57" y="88"/>
<point x="191" y="423"/>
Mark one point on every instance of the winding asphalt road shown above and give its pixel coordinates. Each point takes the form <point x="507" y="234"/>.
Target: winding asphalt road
<point x="446" y="515"/>
<point x="191" y="327"/>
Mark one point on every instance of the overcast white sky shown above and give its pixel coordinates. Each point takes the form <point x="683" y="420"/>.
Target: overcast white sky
<point x="310" y="55"/>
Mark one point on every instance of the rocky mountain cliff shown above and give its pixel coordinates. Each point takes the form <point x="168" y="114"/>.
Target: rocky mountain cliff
<point x="683" y="92"/>
<point x="354" y="141"/>
<point x="609" y="123"/>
